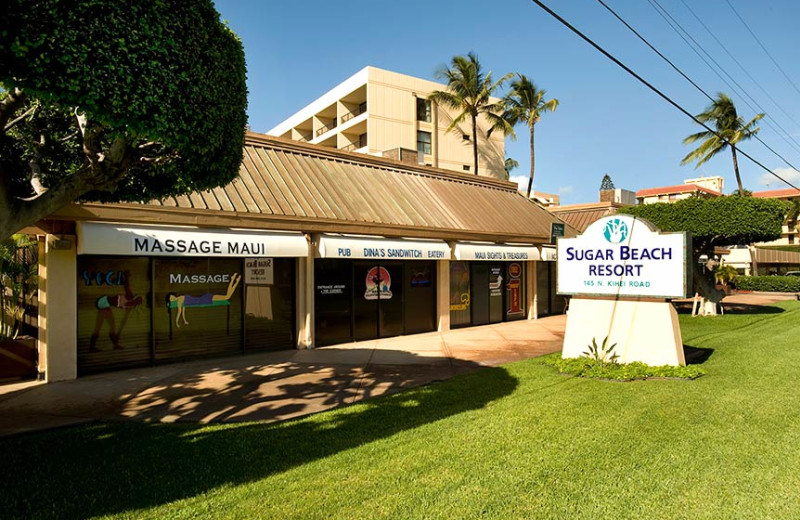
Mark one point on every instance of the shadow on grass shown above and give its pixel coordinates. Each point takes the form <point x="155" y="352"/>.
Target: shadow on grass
<point x="732" y="308"/>
<point x="110" y="468"/>
<point x="696" y="355"/>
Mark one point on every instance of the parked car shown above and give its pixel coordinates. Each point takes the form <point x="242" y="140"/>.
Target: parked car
<point x="792" y="273"/>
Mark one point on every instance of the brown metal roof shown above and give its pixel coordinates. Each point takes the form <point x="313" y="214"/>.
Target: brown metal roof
<point x="580" y="216"/>
<point x="775" y="256"/>
<point x="284" y="184"/>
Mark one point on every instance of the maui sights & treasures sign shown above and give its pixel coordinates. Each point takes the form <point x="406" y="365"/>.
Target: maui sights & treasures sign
<point x="621" y="255"/>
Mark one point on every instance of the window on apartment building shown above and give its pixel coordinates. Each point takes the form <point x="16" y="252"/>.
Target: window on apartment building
<point x="466" y="167"/>
<point x="464" y="137"/>
<point x="424" y="142"/>
<point x="423" y="110"/>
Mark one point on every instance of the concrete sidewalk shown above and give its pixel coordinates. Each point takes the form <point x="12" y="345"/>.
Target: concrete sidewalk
<point x="274" y="386"/>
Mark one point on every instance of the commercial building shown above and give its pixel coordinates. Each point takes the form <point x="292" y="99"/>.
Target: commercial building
<point x="309" y="246"/>
<point x="700" y="187"/>
<point x="379" y="112"/>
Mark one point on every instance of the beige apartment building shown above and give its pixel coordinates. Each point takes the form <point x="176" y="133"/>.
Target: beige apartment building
<point x="383" y="113"/>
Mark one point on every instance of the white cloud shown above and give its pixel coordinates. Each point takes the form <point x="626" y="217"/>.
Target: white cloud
<point x="790" y="174"/>
<point x="565" y="190"/>
<point x="521" y="180"/>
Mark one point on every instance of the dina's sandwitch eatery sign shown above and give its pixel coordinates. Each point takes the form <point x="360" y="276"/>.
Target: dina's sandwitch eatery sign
<point x="621" y="255"/>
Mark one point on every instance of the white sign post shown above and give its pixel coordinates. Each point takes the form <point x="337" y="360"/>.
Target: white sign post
<point x="620" y="271"/>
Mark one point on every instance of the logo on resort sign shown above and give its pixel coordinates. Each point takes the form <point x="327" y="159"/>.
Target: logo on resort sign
<point x="615" y="231"/>
<point x="622" y="255"/>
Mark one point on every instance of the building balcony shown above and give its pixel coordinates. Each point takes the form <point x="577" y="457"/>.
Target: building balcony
<point x="355" y="113"/>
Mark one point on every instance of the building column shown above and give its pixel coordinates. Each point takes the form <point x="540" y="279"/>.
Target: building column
<point x="532" y="290"/>
<point x="443" y="295"/>
<point x="58" y="308"/>
<point x="304" y="291"/>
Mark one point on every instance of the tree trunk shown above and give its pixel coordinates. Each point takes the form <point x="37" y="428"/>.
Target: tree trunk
<point x="706" y="285"/>
<point x="475" y="142"/>
<point x="736" y="171"/>
<point x="533" y="162"/>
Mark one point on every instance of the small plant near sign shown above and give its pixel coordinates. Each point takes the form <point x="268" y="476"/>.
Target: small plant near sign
<point x="595" y="369"/>
<point x="602" y="353"/>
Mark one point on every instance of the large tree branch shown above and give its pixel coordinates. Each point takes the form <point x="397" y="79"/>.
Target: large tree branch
<point x="20" y="213"/>
<point x="10" y="104"/>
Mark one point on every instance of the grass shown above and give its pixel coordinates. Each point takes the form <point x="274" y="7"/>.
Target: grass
<point x="519" y="441"/>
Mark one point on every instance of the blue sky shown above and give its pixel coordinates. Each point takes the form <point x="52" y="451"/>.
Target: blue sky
<point x="607" y="122"/>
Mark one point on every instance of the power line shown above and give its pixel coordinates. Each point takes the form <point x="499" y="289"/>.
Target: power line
<point x="735" y="60"/>
<point x="680" y="31"/>
<point x="762" y="46"/>
<point x="679" y="71"/>
<point x="651" y="87"/>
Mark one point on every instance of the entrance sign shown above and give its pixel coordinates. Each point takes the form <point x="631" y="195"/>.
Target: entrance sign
<point x="96" y="238"/>
<point x="621" y="255"/>
<point x="495" y="252"/>
<point x="626" y="258"/>
<point x="331" y="246"/>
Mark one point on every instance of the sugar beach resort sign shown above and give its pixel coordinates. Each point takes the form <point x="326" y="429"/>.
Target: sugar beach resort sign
<point x="621" y="271"/>
<point x="621" y="255"/>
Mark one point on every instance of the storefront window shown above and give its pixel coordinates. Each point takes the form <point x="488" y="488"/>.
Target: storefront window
<point x="201" y="307"/>
<point x="268" y="303"/>
<point x="459" y="294"/>
<point x="333" y="300"/>
<point x="420" y="298"/>
<point x="113" y="312"/>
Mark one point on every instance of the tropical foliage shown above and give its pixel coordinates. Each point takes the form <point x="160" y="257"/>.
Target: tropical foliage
<point x="115" y="101"/>
<point x="725" y="274"/>
<point x="524" y="104"/>
<point x="509" y="165"/>
<point x="730" y="130"/>
<point x="768" y="283"/>
<point x="712" y="222"/>
<point x="469" y="92"/>
<point x="18" y="279"/>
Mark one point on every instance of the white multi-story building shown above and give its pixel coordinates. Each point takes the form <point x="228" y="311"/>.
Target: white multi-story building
<point x="379" y="112"/>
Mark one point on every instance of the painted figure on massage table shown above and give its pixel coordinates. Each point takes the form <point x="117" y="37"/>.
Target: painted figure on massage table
<point x="181" y="302"/>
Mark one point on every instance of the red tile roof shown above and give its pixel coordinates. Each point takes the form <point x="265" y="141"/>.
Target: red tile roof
<point x="680" y="188"/>
<point x="777" y="194"/>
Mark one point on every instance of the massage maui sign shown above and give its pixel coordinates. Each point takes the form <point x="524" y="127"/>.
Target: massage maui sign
<point x="621" y="255"/>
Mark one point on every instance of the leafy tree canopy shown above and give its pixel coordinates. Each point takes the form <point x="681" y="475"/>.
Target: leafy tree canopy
<point x="712" y="222"/>
<point x="606" y="183"/>
<point x="115" y="101"/>
<point x="719" y="221"/>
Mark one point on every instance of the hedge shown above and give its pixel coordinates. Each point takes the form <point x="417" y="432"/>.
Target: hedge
<point x="768" y="283"/>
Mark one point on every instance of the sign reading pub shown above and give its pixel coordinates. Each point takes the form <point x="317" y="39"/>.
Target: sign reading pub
<point x="621" y="255"/>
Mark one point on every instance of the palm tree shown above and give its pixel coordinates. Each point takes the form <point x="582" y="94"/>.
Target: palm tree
<point x="469" y="91"/>
<point x="730" y="130"/>
<point x="525" y="103"/>
<point x="509" y="165"/>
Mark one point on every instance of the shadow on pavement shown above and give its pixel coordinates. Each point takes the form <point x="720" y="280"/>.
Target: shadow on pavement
<point x="113" y="467"/>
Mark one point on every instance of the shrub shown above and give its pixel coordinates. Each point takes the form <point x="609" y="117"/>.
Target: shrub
<point x="584" y="367"/>
<point x="768" y="283"/>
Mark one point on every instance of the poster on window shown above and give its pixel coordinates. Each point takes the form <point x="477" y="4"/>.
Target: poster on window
<point x="379" y="284"/>
<point x="259" y="271"/>
<point x="514" y="288"/>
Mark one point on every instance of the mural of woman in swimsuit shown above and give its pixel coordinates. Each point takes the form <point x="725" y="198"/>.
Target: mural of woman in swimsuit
<point x="181" y="302"/>
<point x="105" y="313"/>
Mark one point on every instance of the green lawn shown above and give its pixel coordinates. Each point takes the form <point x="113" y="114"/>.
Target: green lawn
<point x="514" y="442"/>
